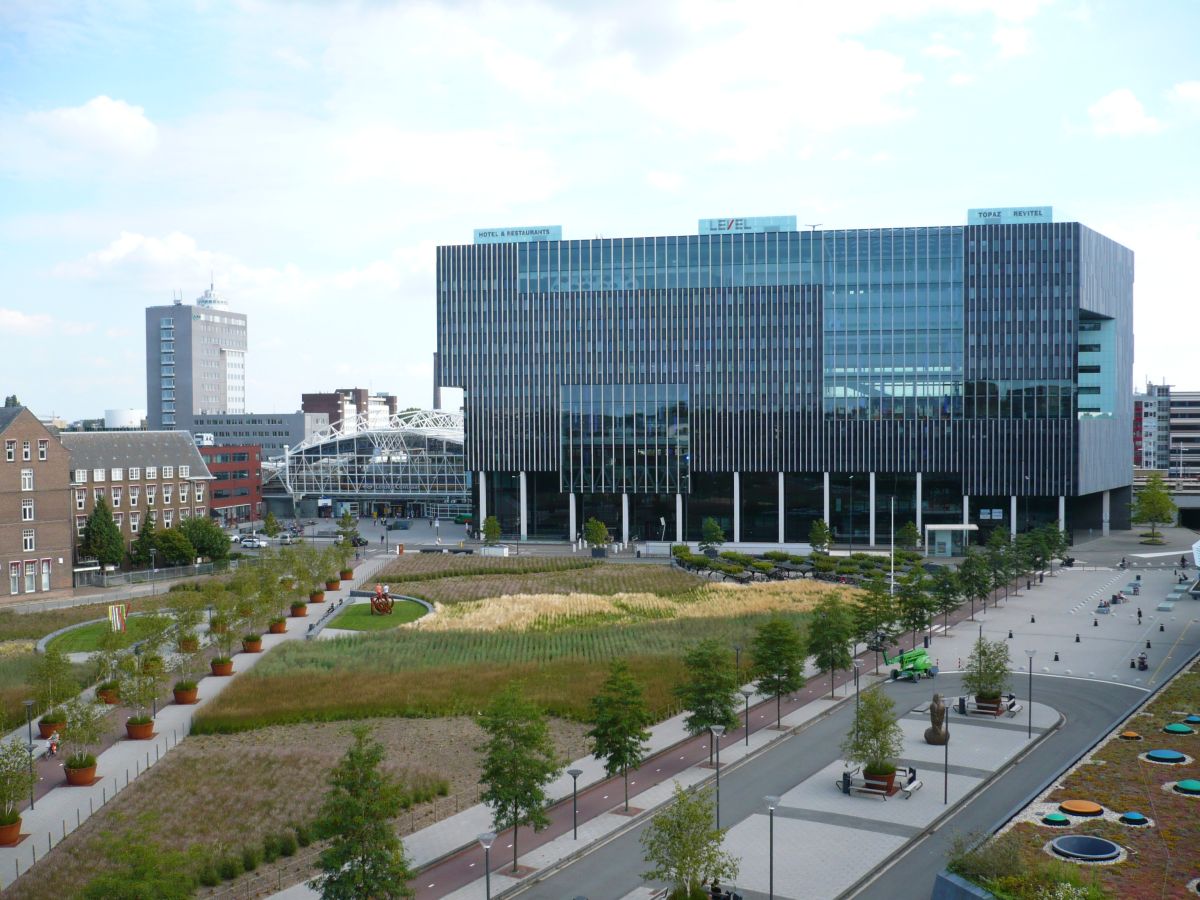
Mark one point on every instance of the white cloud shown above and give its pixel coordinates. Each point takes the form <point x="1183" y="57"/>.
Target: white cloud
<point x="292" y="59"/>
<point x="941" y="51"/>
<point x="16" y="322"/>
<point x="1186" y="94"/>
<point x="671" y="182"/>
<point x="1121" y="113"/>
<point x="1011" y="41"/>
<point x="962" y="79"/>
<point x="103" y="124"/>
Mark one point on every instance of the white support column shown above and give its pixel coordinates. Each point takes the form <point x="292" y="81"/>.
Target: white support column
<point x="779" y="507"/>
<point x="679" y="518"/>
<point x="482" y="500"/>
<point x="871" y="509"/>
<point x="966" y="510"/>
<point x="827" y="498"/>
<point x="524" y="517"/>
<point x="1062" y="513"/>
<point x="1106" y="509"/>
<point x="737" y="508"/>
<point x="920" y="523"/>
<point x="1012" y="516"/>
<point x="572" y="525"/>
<point x="625" y="519"/>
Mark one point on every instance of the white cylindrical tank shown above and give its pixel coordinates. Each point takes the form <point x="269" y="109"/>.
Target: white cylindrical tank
<point x="124" y="418"/>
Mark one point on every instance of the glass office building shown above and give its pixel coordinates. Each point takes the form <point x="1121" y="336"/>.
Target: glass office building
<point x="975" y="374"/>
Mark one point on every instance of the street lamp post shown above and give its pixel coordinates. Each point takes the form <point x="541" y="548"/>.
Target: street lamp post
<point x="858" y="664"/>
<point x="737" y="661"/>
<point x="485" y="841"/>
<point x="717" y="731"/>
<point x="772" y="802"/>
<point x="892" y="552"/>
<point x="1029" y="732"/>
<point x="29" y="729"/>
<point x="946" y="763"/>
<point x="851" y="512"/>
<point x="746" y="692"/>
<point x="575" y="773"/>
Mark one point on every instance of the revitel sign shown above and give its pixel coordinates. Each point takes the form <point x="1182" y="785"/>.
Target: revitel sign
<point x="1010" y="215"/>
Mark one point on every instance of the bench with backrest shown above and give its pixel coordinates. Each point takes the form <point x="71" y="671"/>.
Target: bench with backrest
<point x="849" y="784"/>
<point x="1007" y="706"/>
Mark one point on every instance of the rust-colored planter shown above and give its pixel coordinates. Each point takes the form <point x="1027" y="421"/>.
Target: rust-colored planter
<point x="189" y="645"/>
<point x="112" y="698"/>
<point x="221" y="669"/>
<point x="186" y="698"/>
<point x="988" y="705"/>
<point x="346" y="574"/>
<point x="278" y="627"/>
<point x="139" y="731"/>
<point x="252" y="646"/>
<point x="332" y="584"/>
<point x="287" y="583"/>
<point x="10" y="834"/>
<point x="880" y="782"/>
<point x="85" y="777"/>
<point x="316" y="596"/>
<point x="45" y="729"/>
<point x="299" y="610"/>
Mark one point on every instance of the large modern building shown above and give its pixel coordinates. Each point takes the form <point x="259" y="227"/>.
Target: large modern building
<point x="195" y="361"/>
<point x="235" y="494"/>
<point x="273" y="432"/>
<point x="974" y="374"/>
<point x="1166" y="431"/>
<point x="346" y="405"/>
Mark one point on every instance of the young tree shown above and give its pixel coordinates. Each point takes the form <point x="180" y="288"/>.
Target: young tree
<point x="876" y="739"/>
<point x="996" y="555"/>
<point x="52" y="679"/>
<point x="830" y="636"/>
<point x="1152" y="505"/>
<point x="491" y="531"/>
<point x="147" y="540"/>
<point x="206" y="537"/>
<point x="908" y="536"/>
<point x="987" y="675"/>
<point x="913" y="601"/>
<point x="102" y="539"/>
<point x="271" y="525"/>
<point x="946" y="593"/>
<point x="712" y="536"/>
<point x="819" y="536"/>
<point x="518" y="762"/>
<point x="347" y="528"/>
<point x="596" y="533"/>
<point x="874" y="616"/>
<point x="975" y="579"/>
<point x="710" y="690"/>
<point x="1056" y="544"/>
<point x="17" y="779"/>
<point x="684" y="845"/>
<point x="619" y="718"/>
<point x="174" y="549"/>
<point x="365" y="857"/>
<point x="778" y="654"/>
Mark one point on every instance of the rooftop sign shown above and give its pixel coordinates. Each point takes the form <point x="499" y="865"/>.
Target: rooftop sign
<point x="1010" y="215"/>
<point x="747" y="224"/>
<point x="518" y="235"/>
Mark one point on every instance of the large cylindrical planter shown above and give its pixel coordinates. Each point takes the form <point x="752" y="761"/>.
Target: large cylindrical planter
<point x="45" y="729"/>
<point x="109" y="697"/>
<point x="332" y="584"/>
<point x="252" y="646"/>
<point x="186" y="697"/>
<point x="346" y="574"/>
<point x="880" y="782"/>
<point x="278" y="627"/>
<point x="84" y="777"/>
<point x="139" y="731"/>
<point x="10" y="834"/>
<point x="189" y="645"/>
<point x="316" y="596"/>
<point x="299" y="611"/>
<point x="221" y="669"/>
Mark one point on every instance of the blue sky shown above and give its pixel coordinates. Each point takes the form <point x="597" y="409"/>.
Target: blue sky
<point x="311" y="155"/>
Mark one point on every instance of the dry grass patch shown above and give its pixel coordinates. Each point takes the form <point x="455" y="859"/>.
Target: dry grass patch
<point x="429" y="566"/>
<point x="221" y="793"/>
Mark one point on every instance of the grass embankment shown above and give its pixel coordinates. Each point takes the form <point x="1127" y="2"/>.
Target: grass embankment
<point x="87" y="639"/>
<point x="561" y="654"/>
<point x="359" y="617"/>
<point x="428" y="566"/>
<point x="1162" y="858"/>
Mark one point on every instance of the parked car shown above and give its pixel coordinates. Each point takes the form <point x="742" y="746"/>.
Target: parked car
<point x="359" y="541"/>
<point x="253" y="542"/>
<point x="286" y="538"/>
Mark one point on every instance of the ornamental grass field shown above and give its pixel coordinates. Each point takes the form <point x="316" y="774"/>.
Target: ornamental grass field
<point x="558" y="645"/>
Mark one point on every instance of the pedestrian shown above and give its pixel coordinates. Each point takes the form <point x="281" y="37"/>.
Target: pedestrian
<point x="1139" y="615"/>
<point x="382" y="537"/>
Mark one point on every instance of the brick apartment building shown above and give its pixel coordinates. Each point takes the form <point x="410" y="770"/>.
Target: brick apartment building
<point x="140" y="473"/>
<point x="35" y="522"/>
<point x="344" y="405"/>
<point x="235" y="494"/>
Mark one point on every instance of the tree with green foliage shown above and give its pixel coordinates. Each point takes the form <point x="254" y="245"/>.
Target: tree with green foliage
<point x="347" y="528"/>
<point x="1152" y="505"/>
<point x="712" y="535"/>
<point x="1056" y="544"/>
<point x="102" y="540"/>
<point x="365" y="858"/>
<point x="596" y="533"/>
<point x="17" y="779"/>
<point x="876" y="740"/>
<point x="996" y="556"/>
<point x="147" y="540"/>
<point x="709" y="691"/>
<point x="271" y="526"/>
<point x="908" y="536"/>
<point x="206" y="537"/>
<point x="620" y="719"/>
<point x="683" y="845"/>
<point x="946" y="593"/>
<point x="11" y="400"/>
<point x="491" y="531"/>
<point x="174" y="549"/>
<point x="52" y="678"/>
<point x="831" y="636"/>
<point x="987" y="671"/>
<point x="778" y="654"/>
<point x="81" y="731"/>
<point x="975" y="579"/>
<point x="913" y="601"/>
<point x="819" y="535"/>
<point x="518" y="763"/>
<point x="141" y="871"/>
<point x="875" y="615"/>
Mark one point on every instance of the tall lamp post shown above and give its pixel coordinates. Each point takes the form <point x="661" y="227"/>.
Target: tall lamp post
<point x="946" y="763"/>
<point x="737" y="661"/>
<point x="717" y="731"/>
<point x="485" y="841"/>
<point x="575" y="773"/>
<point x="746" y="692"/>
<point x="858" y="664"/>
<point x="1029" y="732"/>
<point x="29" y="729"/>
<point x="892" y="550"/>
<point x="851" y="512"/>
<point x="772" y="802"/>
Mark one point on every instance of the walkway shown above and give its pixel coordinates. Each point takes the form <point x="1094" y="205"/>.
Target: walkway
<point x="59" y="809"/>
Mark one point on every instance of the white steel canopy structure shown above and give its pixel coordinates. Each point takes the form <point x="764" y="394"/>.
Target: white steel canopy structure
<point x="418" y="456"/>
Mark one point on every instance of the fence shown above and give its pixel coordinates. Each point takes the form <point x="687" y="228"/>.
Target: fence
<point x="149" y="576"/>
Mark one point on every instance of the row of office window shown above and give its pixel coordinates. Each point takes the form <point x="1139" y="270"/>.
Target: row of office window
<point x="117" y="495"/>
<point x="10" y="451"/>
<point x="135" y="519"/>
<point x="135" y="473"/>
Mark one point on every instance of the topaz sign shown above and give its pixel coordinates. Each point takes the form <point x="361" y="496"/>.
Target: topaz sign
<point x="1010" y="215"/>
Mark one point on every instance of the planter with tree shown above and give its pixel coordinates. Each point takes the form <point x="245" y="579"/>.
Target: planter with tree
<point x="876" y="740"/>
<point x="712" y="536"/>
<point x="221" y="627"/>
<point x="80" y="733"/>
<point x="140" y="685"/>
<point x="684" y="846"/>
<point x="52" y="720"/>
<point x="596" y="534"/>
<point x="53" y="681"/>
<point x="17" y="780"/>
<point x="986" y="674"/>
<point x="491" y="531"/>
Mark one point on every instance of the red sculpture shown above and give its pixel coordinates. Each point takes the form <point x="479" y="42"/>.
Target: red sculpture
<point x="382" y="603"/>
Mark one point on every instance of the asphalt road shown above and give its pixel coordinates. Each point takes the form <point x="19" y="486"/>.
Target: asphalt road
<point x="1091" y="708"/>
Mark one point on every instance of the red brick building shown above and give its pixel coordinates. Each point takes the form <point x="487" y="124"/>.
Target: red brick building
<point x="235" y="493"/>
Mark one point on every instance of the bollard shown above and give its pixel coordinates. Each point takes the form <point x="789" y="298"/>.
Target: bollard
<point x="1032" y="619"/>
<point x="103" y="796"/>
<point x="1010" y="632"/>
<point x="1162" y="627"/>
<point x="1056" y="656"/>
<point x="1095" y="623"/>
<point x="156" y="754"/>
<point x="1132" y="664"/>
<point x="1147" y="644"/>
<point x="148" y="758"/>
<point x="1077" y="637"/>
<point x="91" y="808"/>
<point x="64" y="821"/>
<point x="78" y="818"/>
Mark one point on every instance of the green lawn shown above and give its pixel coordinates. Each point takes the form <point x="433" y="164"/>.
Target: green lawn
<point x="358" y="617"/>
<point x="87" y="638"/>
